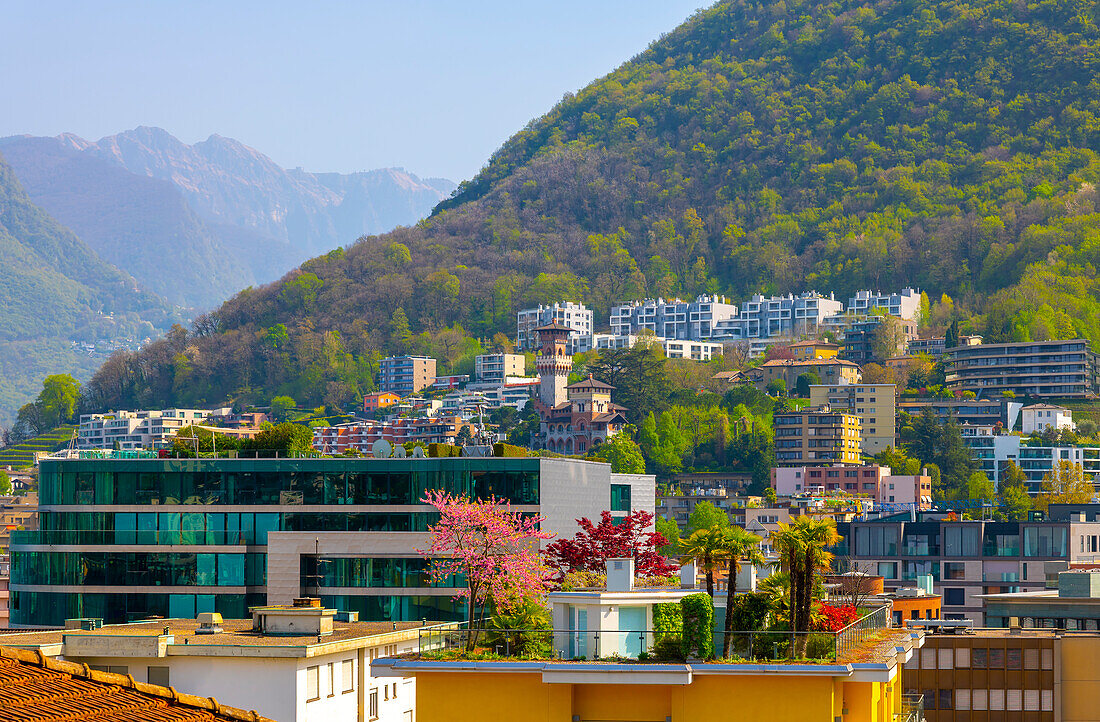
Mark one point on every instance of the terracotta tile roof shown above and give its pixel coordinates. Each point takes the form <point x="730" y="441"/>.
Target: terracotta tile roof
<point x="34" y="687"/>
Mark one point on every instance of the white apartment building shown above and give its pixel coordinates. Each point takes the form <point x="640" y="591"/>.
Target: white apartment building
<point x="498" y="368"/>
<point x="137" y="429"/>
<point x="694" y="350"/>
<point x="993" y="451"/>
<point x="1040" y="417"/>
<point x="291" y="663"/>
<point x="778" y="316"/>
<point x="673" y="318"/>
<point x="904" y="304"/>
<point x="574" y="315"/>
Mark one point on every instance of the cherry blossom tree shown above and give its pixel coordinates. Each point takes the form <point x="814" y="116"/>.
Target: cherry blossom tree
<point x="493" y="548"/>
<point x="594" y="544"/>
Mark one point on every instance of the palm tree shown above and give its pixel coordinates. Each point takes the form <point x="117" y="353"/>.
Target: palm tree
<point x="706" y="547"/>
<point x="738" y="544"/>
<point x="802" y="555"/>
<point x="776" y="588"/>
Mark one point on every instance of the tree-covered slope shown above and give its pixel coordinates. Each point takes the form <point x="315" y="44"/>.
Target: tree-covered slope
<point x="758" y="147"/>
<point x="57" y="291"/>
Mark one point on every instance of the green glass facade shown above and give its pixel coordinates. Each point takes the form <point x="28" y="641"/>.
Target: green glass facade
<point x="99" y="518"/>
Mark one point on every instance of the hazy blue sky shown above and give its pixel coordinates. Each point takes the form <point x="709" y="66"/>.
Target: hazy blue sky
<point x="330" y="86"/>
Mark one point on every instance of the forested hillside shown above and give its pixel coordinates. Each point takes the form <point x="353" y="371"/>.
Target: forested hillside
<point x="57" y="291"/>
<point x="758" y="147"/>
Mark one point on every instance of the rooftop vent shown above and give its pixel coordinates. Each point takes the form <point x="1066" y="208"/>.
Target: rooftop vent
<point x="209" y="623"/>
<point x="307" y="602"/>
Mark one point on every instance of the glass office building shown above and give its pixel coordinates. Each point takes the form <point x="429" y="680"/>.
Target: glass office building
<point x="125" y="539"/>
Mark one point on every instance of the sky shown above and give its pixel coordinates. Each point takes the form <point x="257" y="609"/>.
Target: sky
<point x="433" y="87"/>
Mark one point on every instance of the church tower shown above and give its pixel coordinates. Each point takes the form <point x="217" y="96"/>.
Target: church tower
<point x="553" y="363"/>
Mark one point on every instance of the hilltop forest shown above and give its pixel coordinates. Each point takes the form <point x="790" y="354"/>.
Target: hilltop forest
<point x="761" y="146"/>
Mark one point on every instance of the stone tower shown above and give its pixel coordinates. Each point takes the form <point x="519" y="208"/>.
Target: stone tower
<point x="553" y="363"/>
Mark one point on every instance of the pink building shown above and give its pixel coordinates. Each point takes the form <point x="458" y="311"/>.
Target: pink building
<point x="360" y="436"/>
<point x="872" y="481"/>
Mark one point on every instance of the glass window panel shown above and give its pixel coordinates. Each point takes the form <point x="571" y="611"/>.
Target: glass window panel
<point x="192" y="528"/>
<point x="979" y="699"/>
<point x="996" y="700"/>
<point x="231" y="570"/>
<point x="962" y="699"/>
<point x="125" y="528"/>
<point x="205" y="573"/>
<point x="946" y="658"/>
<point x="1014" y="658"/>
<point x="996" y="659"/>
<point x="1031" y="658"/>
<point x="146" y="528"/>
<point x="962" y="658"/>
<point x="1014" y="699"/>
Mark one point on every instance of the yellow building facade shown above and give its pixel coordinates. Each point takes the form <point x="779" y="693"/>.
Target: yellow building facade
<point x="511" y="690"/>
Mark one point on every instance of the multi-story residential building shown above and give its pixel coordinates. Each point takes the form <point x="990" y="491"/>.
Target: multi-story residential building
<point x="17" y="512"/>
<point x="362" y="435"/>
<point x="575" y="316"/>
<point x="498" y="368"/>
<point x="936" y="345"/>
<point x="817" y="436"/>
<point x="860" y="343"/>
<point x="5" y="574"/>
<point x="874" y="404"/>
<point x="905" y="304"/>
<point x="1002" y="674"/>
<point x="1041" y="369"/>
<point x="1073" y="604"/>
<point x="124" y="540"/>
<point x="829" y="371"/>
<point x="450" y="382"/>
<point x="673" y="318"/>
<point x="966" y="559"/>
<point x="979" y="412"/>
<point x="811" y="349"/>
<point x="136" y="429"/>
<point x="405" y="375"/>
<point x="778" y="316"/>
<point x="878" y="483"/>
<point x="1037" y="418"/>
<point x="379" y="400"/>
<point x="317" y="670"/>
<point x="695" y="350"/>
<point x="993" y="451"/>
<point x="679" y="506"/>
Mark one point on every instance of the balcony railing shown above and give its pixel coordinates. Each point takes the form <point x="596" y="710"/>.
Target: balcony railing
<point x="912" y="708"/>
<point x="457" y="641"/>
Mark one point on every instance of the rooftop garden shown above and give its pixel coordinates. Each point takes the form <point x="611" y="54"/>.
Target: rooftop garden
<point x="511" y="588"/>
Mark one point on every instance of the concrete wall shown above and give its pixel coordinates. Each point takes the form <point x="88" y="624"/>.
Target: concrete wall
<point x="285" y="550"/>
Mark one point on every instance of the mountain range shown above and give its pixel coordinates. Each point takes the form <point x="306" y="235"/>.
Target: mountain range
<point x="104" y="245"/>
<point x="760" y="146"/>
<point x="197" y="223"/>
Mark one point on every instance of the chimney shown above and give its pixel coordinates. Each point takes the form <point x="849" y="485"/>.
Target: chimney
<point x="620" y="575"/>
<point x="687" y="575"/>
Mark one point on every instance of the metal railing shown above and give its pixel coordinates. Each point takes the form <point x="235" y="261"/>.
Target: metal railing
<point x="458" y="640"/>
<point x="856" y="633"/>
<point x="912" y="708"/>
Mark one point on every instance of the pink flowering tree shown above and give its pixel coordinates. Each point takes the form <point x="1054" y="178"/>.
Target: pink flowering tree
<point x="495" y="549"/>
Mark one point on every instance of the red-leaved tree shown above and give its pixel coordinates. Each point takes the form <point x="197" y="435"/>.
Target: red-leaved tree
<point x="594" y="544"/>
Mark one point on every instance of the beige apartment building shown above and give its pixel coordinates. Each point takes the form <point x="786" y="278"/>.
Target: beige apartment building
<point x="817" y="436"/>
<point x="874" y="404"/>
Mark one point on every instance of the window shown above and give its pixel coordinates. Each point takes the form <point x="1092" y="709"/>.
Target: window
<point x="620" y="497"/>
<point x="313" y="684"/>
<point x="996" y="700"/>
<point x="1015" y="658"/>
<point x="962" y="699"/>
<point x="946" y="661"/>
<point x="962" y="657"/>
<point x="954" y="570"/>
<point x="1014" y="699"/>
<point x="347" y="675"/>
<point x="944" y="701"/>
<point x="158" y="676"/>
<point x="996" y="659"/>
<point x="979" y="699"/>
<point x="331" y="679"/>
<point x="1031" y="659"/>
<point x="955" y="596"/>
<point x="374" y="703"/>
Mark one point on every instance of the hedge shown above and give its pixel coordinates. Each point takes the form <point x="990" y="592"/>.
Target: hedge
<point x="698" y="637"/>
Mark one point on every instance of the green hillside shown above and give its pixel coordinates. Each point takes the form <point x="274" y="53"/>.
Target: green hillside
<point x="57" y="291"/>
<point x="759" y="147"/>
<point x="22" y="455"/>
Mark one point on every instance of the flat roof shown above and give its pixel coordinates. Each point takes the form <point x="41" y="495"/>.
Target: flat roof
<point x="236" y="633"/>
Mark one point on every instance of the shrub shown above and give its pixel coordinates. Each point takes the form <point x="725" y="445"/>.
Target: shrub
<point x="749" y="612"/>
<point x="697" y="641"/>
<point x="668" y="627"/>
<point x="437" y="451"/>
<point x="508" y="450"/>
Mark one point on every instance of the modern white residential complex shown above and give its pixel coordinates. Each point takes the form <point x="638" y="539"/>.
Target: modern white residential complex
<point x="152" y="429"/>
<point x="673" y="318"/>
<point x="778" y="316"/>
<point x="574" y="315"/>
<point x="904" y="304"/>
